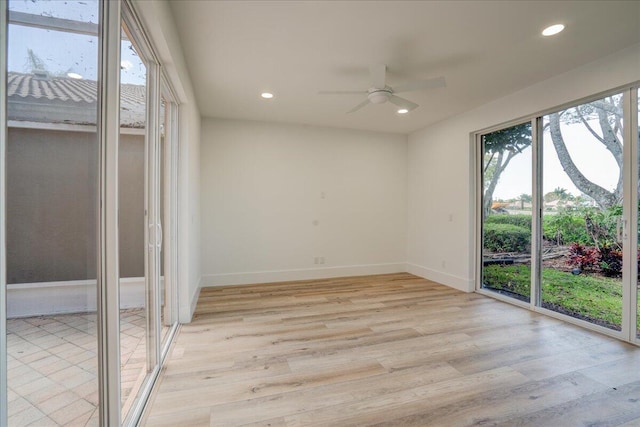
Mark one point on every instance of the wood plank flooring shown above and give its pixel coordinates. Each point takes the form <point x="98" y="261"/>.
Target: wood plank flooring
<point x="388" y="350"/>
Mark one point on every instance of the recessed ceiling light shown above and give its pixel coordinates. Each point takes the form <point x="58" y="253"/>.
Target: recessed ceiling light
<point x="552" y="30"/>
<point x="266" y="95"/>
<point x="74" y="76"/>
<point x="403" y="111"/>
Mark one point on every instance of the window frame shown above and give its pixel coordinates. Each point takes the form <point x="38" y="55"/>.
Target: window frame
<point x="630" y="211"/>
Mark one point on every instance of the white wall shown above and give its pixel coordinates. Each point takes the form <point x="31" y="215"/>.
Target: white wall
<point x="262" y="189"/>
<point x="158" y="21"/>
<point x="440" y="244"/>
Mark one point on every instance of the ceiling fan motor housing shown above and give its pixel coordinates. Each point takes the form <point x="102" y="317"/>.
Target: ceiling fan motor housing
<point x="379" y="96"/>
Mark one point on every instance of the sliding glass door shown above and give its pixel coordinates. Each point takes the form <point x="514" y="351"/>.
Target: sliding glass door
<point x="138" y="283"/>
<point x="88" y="188"/>
<point x="52" y="194"/>
<point x="582" y="188"/>
<point x="168" y="179"/>
<point x="557" y="209"/>
<point x="506" y="211"/>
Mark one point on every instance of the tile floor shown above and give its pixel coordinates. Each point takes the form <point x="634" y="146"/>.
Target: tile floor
<point x="52" y="367"/>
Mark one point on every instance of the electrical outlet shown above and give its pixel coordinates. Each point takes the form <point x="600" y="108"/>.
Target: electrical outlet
<point x="321" y="260"/>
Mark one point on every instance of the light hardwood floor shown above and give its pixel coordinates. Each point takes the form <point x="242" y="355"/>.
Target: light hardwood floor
<point x="394" y="350"/>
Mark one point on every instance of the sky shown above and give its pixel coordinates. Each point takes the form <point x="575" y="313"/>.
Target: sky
<point x="589" y="155"/>
<point x="64" y="52"/>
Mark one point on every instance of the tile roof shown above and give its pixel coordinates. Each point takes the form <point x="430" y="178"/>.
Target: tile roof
<point x="51" y="91"/>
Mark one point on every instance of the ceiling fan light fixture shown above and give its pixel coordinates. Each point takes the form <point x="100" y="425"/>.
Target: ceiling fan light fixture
<point x="379" y="97"/>
<point x="266" y="95"/>
<point x="552" y="30"/>
<point x="403" y="111"/>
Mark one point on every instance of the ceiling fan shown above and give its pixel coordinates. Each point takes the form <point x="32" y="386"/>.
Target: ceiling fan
<point x="379" y="93"/>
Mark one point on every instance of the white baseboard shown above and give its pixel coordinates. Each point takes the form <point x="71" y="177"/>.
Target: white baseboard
<point x="301" y="274"/>
<point x="77" y="296"/>
<point x="460" y="283"/>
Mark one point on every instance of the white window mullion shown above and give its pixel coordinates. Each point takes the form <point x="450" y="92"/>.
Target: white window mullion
<point x="479" y="174"/>
<point x="630" y="207"/>
<point x="108" y="268"/>
<point x="170" y="207"/>
<point x="3" y="247"/>
<point x="536" y="212"/>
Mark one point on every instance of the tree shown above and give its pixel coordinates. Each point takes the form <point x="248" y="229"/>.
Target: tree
<point x="34" y="62"/>
<point x="524" y="198"/>
<point x="562" y="193"/>
<point x="500" y="147"/>
<point x="607" y="113"/>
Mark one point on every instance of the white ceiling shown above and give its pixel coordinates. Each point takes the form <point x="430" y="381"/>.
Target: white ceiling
<point x="486" y="49"/>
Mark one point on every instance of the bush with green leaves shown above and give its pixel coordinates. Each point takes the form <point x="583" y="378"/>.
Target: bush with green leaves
<point x="519" y="219"/>
<point x="567" y="226"/>
<point x="587" y="226"/>
<point x="506" y="238"/>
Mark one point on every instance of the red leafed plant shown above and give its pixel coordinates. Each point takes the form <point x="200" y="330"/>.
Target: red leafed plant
<point x="583" y="257"/>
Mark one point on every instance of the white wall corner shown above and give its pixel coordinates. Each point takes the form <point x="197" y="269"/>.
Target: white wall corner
<point x="188" y="308"/>
<point x="459" y="283"/>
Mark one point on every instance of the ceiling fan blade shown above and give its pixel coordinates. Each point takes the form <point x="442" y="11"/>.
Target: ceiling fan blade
<point x="421" y="85"/>
<point x="378" y="75"/>
<point x="359" y="106"/>
<point x="402" y="103"/>
<point x="341" y="92"/>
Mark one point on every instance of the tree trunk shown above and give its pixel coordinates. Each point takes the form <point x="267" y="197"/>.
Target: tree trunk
<point x="602" y="197"/>
<point x="501" y="165"/>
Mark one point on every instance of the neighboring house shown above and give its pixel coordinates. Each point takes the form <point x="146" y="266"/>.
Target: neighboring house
<point x="51" y="181"/>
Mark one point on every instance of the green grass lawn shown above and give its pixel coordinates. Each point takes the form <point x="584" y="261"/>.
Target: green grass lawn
<point x="597" y="299"/>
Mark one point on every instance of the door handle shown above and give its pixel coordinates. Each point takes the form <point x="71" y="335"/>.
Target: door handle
<point x="159" y="239"/>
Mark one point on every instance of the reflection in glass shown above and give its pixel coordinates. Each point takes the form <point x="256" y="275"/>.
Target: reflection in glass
<point x="136" y="327"/>
<point x="506" y="211"/>
<point x="52" y="164"/>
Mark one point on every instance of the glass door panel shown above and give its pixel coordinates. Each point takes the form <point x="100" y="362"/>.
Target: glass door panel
<point x="638" y="253"/>
<point x="165" y="204"/>
<point x="52" y="198"/>
<point x="582" y="212"/>
<point x="168" y="213"/>
<point x="507" y="211"/>
<point x="137" y="329"/>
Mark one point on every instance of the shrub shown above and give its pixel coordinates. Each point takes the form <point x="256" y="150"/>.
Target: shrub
<point x="583" y="257"/>
<point x="610" y="261"/>
<point x="520" y="220"/>
<point x="567" y="226"/>
<point x="506" y="238"/>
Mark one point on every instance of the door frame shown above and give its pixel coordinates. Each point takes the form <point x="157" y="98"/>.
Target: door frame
<point x="630" y="214"/>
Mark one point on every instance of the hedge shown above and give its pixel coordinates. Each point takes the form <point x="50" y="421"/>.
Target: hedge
<point x="519" y="220"/>
<point x="506" y="238"/>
